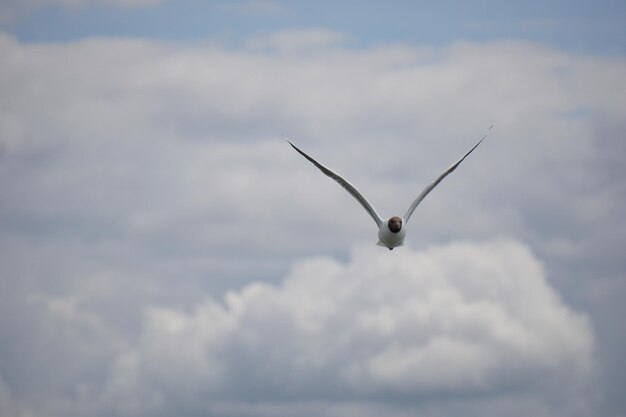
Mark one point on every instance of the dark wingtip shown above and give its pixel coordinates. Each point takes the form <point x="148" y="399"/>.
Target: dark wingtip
<point x="293" y="146"/>
<point x="282" y="135"/>
<point x="289" y="142"/>
<point x="306" y="156"/>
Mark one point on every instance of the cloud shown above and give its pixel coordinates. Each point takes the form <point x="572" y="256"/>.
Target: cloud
<point x="139" y="178"/>
<point x="7" y="403"/>
<point x="450" y="322"/>
<point x="418" y="331"/>
<point x="299" y="40"/>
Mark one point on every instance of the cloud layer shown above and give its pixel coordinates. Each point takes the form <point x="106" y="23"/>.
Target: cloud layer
<point x="452" y="322"/>
<point x="151" y="214"/>
<point x="460" y="317"/>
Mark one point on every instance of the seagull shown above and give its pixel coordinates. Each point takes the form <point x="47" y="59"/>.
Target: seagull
<point x="391" y="233"/>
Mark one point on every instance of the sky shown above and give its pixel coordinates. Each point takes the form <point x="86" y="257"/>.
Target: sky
<point x="164" y="251"/>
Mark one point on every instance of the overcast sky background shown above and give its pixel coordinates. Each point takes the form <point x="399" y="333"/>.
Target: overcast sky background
<point x="163" y="251"/>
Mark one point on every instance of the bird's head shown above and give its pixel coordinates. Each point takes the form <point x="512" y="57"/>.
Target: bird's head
<point x="395" y="224"/>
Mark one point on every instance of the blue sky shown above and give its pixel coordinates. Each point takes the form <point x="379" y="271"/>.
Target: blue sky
<point x="579" y="26"/>
<point x="164" y="251"/>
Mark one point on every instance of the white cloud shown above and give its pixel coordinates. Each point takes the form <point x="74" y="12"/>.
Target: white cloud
<point x="456" y="320"/>
<point x="298" y="40"/>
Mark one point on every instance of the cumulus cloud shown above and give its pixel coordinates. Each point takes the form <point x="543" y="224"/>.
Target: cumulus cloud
<point x="455" y="320"/>
<point x="464" y="323"/>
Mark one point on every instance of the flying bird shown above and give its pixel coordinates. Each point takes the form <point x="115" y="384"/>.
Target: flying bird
<point x="391" y="233"/>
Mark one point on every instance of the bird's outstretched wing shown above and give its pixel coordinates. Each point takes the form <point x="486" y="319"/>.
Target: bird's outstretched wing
<point x="430" y="187"/>
<point x="345" y="184"/>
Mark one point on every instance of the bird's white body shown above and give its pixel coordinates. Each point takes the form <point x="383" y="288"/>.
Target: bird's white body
<point x="391" y="233"/>
<point x="389" y="239"/>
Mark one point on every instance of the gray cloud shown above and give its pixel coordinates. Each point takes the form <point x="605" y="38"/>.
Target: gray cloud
<point x="457" y="321"/>
<point x="139" y="178"/>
